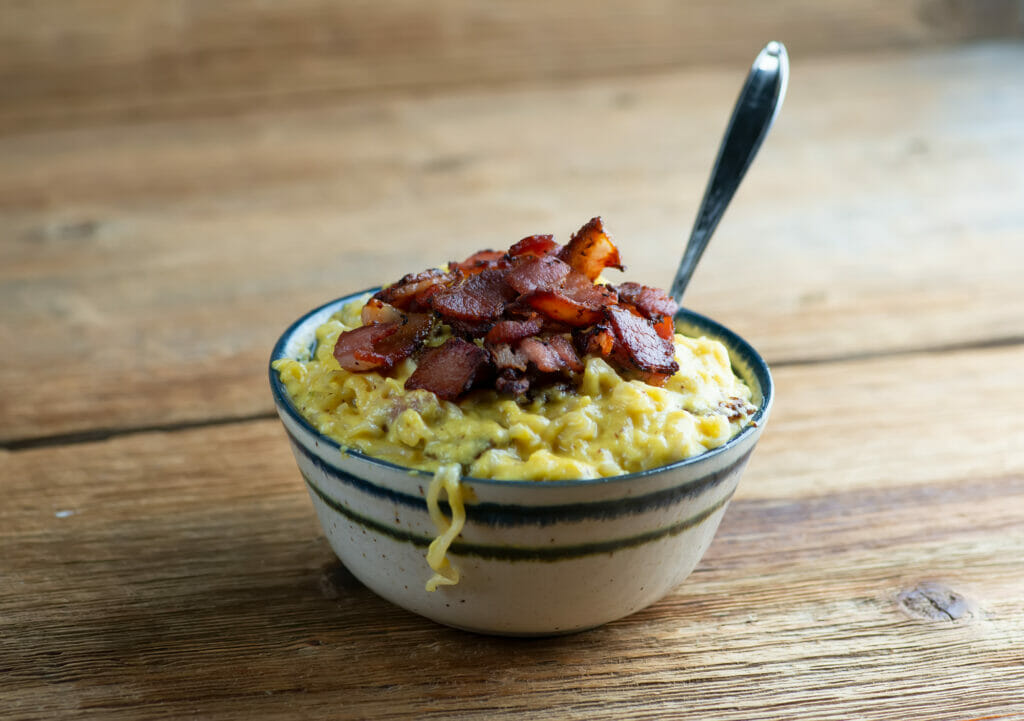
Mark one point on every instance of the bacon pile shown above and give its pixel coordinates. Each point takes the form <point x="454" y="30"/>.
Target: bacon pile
<point x="519" y="318"/>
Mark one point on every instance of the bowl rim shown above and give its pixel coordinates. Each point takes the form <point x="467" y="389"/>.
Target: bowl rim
<point x="734" y="343"/>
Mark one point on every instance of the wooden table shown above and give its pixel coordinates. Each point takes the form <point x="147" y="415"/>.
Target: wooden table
<point x="159" y="557"/>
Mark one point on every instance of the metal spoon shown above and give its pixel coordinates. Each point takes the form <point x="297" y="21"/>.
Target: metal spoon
<point x="752" y="117"/>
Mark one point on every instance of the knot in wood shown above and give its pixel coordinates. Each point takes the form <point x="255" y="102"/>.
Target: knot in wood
<point x="934" y="601"/>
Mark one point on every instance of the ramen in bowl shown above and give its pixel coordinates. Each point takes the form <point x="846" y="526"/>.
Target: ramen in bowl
<point x="466" y="410"/>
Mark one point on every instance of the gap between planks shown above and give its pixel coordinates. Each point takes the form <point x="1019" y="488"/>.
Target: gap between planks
<point x="94" y="435"/>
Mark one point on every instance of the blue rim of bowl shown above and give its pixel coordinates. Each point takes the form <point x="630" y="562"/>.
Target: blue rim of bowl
<point x="735" y="345"/>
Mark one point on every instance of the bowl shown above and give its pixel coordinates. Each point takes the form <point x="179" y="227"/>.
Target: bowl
<point x="536" y="557"/>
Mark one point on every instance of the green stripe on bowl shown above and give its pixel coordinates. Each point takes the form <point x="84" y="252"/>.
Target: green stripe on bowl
<point x="506" y="515"/>
<point x="521" y="553"/>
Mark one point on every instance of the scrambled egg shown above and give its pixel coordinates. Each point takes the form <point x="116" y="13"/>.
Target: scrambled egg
<point x="605" y="426"/>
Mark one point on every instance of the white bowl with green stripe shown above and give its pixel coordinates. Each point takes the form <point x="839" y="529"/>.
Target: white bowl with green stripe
<point x="536" y="557"/>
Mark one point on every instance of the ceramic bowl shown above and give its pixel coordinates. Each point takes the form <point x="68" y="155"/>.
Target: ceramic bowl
<point x="536" y="558"/>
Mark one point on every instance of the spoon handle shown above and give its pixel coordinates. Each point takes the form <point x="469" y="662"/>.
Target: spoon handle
<point x="752" y="117"/>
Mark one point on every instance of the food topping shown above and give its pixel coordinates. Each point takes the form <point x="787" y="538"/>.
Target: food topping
<point x="551" y="354"/>
<point x="518" y="318"/>
<point x="591" y="250"/>
<point x="543" y="273"/>
<point x="637" y="338"/>
<point x="652" y="302"/>
<point x="413" y="292"/>
<point x="478" y="298"/>
<point x="382" y="345"/>
<point x="512" y="331"/>
<point x="535" y="245"/>
<point x="449" y="370"/>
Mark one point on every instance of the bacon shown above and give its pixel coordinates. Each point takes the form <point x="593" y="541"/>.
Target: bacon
<point x="449" y="370"/>
<point x="577" y="302"/>
<point x="512" y="383"/>
<point x="663" y="324"/>
<point x="598" y="340"/>
<point x="541" y="355"/>
<point x="383" y="345"/>
<point x="478" y="298"/>
<point x="361" y="341"/>
<point x="652" y="302"/>
<point x="482" y="260"/>
<point x="518" y="309"/>
<point x="534" y="245"/>
<point x="543" y="273"/>
<point x="409" y="336"/>
<point x="414" y="289"/>
<point x="377" y="312"/>
<point x="550" y="355"/>
<point x="591" y="250"/>
<point x="511" y="331"/>
<point x="640" y="344"/>
<point x="566" y="353"/>
<point x="665" y="327"/>
<point x="580" y="289"/>
<point x="468" y="329"/>
<point x="562" y="309"/>
<point x="504" y="357"/>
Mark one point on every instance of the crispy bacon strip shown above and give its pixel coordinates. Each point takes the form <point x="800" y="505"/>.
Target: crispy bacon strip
<point x="410" y="335"/>
<point x="580" y="289"/>
<point x="383" y="345"/>
<point x="504" y="357"/>
<point x="414" y="289"/>
<point x="512" y="331"/>
<point x="562" y="309"/>
<point x="541" y="355"/>
<point x="468" y="329"/>
<point x="534" y="245"/>
<point x="482" y="260"/>
<point x="665" y="327"/>
<point x="480" y="297"/>
<point x="512" y="383"/>
<point x="652" y="302"/>
<point x="598" y="340"/>
<point x="550" y="355"/>
<point x="645" y="349"/>
<point x="591" y="250"/>
<point x="377" y="312"/>
<point x="449" y="370"/>
<point x="544" y="273"/>
<point x="359" y="341"/>
<point x="566" y="353"/>
<point x="576" y="302"/>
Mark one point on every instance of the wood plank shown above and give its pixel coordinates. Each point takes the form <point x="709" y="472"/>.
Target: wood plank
<point x="190" y="579"/>
<point x="67" y="62"/>
<point x="917" y="419"/>
<point x="148" y="268"/>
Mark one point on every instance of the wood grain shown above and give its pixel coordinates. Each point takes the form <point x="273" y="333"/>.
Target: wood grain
<point x="164" y="575"/>
<point x="67" y="62"/>
<point x="179" y="180"/>
<point x="147" y="268"/>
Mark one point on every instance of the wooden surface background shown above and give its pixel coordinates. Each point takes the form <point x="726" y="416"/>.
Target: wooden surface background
<point x="180" y="180"/>
<point x="82" y="61"/>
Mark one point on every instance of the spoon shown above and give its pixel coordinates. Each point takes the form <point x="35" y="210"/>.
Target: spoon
<point x="752" y="118"/>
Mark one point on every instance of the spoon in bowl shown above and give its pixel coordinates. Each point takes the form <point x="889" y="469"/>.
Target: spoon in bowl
<point x="752" y="118"/>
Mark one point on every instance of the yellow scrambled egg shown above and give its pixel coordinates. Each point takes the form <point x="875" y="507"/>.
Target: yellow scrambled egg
<point x="605" y="426"/>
